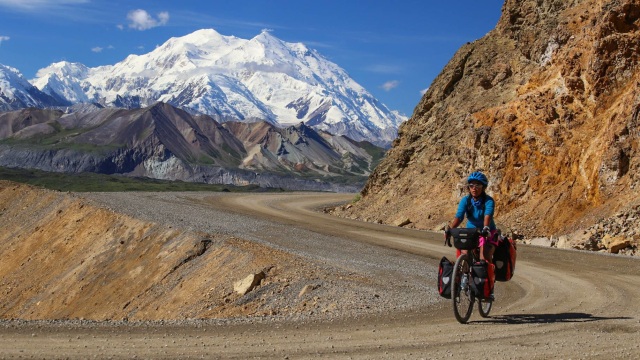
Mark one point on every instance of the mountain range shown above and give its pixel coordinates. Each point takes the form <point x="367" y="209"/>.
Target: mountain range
<point x="225" y="77"/>
<point x="165" y="142"/>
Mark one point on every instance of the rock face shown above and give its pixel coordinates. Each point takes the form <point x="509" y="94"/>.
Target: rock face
<point x="547" y="105"/>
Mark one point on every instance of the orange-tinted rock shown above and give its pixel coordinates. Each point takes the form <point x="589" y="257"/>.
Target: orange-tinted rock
<point x="546" y="104"/>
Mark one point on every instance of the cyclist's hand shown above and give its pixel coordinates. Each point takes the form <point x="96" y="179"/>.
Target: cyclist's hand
<point x="486" y="231"/>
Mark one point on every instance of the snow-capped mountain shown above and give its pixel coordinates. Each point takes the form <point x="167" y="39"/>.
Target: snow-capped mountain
<point x="17" y="93"/>
<point x="263" y="78"/>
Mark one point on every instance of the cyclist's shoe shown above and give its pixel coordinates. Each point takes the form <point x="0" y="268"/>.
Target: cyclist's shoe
<point x="492" y="297"/>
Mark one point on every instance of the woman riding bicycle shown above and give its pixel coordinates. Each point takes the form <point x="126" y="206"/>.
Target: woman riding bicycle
<point x="478" y="207"/>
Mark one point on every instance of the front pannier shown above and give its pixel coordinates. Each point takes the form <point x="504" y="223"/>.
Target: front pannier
<point x="465" y="239"/>
<point x="445" y="270"/>
<point x="482" y="279"/>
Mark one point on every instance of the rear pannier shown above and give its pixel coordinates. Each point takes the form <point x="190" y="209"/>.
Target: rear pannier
<point x="504" y="258"/>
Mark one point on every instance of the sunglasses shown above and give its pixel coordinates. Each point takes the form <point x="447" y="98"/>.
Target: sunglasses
<point x="475" y="186"/>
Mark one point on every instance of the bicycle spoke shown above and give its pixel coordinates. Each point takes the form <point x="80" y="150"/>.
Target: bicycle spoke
<point x="462" y="299"/>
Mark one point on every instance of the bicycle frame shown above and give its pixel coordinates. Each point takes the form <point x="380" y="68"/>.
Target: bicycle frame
<point x="462" y="297"/>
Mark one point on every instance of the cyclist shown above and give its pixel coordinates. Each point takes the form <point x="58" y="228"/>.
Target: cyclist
<point x="478" y="207"/>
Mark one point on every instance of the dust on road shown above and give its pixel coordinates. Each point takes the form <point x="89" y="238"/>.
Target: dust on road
<point x="560" y="304"/>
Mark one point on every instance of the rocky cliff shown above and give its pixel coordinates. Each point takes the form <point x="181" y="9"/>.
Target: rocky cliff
<point x="546" y="104"/>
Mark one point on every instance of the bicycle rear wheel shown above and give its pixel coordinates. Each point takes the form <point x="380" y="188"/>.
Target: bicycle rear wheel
<point x="484" y="307"/>
<point x="461" y="296"/>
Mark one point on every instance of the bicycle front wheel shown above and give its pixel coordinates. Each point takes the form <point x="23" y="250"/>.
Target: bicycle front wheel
<point x="461" y="295"/>
<point x="484" y="307"/>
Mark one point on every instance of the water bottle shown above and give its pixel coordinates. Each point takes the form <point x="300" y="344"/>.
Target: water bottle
<point x="463" y="282"/>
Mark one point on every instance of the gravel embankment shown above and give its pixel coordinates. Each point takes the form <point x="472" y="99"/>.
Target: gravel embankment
<point x="353" y="278"/>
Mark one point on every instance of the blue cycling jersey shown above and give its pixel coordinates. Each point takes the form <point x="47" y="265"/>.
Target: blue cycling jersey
<point x="475" y="213"/>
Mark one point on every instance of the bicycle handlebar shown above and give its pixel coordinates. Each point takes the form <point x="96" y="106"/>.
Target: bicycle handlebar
<point x="447" y="236"/>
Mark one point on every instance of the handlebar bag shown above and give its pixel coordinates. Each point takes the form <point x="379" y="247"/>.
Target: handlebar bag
<point x="465" y="239"/>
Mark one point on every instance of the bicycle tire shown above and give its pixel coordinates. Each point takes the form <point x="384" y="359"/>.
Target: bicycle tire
<point x="462" y="299"/>
<point x="484" y="307"/>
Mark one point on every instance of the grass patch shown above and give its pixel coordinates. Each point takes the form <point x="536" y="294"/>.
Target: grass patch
<point x="377" y="153"/>
<point x="87" y="182"/>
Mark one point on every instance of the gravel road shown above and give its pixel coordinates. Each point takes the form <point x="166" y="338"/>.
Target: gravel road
<point x="560" y="304"/>
<point x="386" y="271"/>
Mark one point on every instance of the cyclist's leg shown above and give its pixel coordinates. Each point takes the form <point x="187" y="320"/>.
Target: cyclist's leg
<point x="488" y="246"/>
<point x="486" y="252"/>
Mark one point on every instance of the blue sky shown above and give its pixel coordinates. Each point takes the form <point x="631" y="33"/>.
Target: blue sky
<point x="394" y="48"/>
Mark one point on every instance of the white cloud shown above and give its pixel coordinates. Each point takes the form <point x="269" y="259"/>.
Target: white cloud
<point x="390" y="85"/>
<point x="4" y="38"/>
<point x="163" y="17"/>
<point x="141" y="20"/>
<point x="38" y="4"/>
<point x="424" y="91"/>
<point x="99" y="49"/>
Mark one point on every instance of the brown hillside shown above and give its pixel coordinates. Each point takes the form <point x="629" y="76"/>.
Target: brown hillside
<point x="546" y="104"/>
<point x="63" y="258"/>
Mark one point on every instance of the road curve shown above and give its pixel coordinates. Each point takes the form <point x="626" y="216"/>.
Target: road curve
<point x="560" y="304"/>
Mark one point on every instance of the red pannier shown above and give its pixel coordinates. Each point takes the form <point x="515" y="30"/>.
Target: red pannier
<point x="504" y="259"/>
<point x="482" y="279"/>
<point x="445" y="271"/>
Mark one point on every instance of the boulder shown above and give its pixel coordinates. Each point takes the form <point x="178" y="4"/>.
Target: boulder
<point x="249" y="283"/>
<point x="540" y="241"/>
<point x="614" y="244"/>
<point x="402" y="222"/>
<point x="563" y="242"/>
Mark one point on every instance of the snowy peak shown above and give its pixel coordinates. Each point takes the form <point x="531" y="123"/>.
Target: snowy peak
<point x="11" y="79"/>
<point x="263" y="78"/>
<point x="17" y="93"/>
<point x="63" y="68"/>
<point x="61" y="80"/>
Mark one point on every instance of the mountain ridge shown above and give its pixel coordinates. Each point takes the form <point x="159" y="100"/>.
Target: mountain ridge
<point x="263" y="78"/>
<point x="165" y="142"/>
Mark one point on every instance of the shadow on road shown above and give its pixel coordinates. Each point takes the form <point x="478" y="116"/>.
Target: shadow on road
<point x="548" y="318"/>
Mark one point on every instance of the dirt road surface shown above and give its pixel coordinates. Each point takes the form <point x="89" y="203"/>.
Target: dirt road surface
<point x="560" y="304"/>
